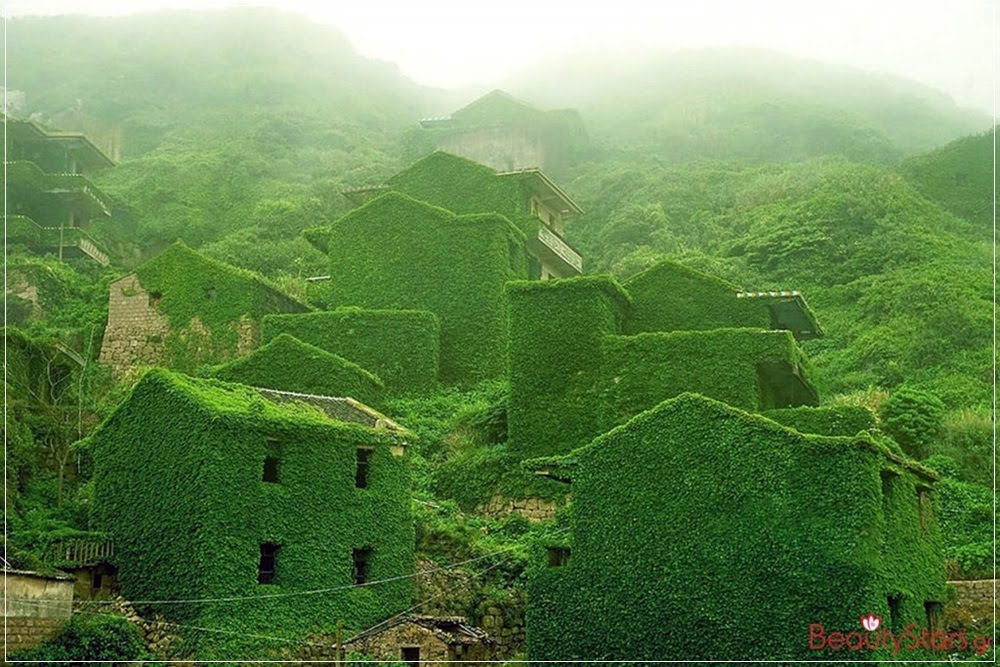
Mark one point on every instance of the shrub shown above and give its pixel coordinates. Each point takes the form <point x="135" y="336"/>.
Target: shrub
<point x="96" y="637"/>
<point x="914" y="418"/>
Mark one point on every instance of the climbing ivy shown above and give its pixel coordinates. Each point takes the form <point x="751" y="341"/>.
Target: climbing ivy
<point x="288" y="364"/>
<point x="178" y="485"/>
<point x="702" y="532"/>
<point x="400" y="346"/>
<point x="398" y="253"/>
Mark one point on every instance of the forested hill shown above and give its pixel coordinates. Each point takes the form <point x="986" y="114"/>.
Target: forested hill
<point x="237" y="129"/>
<point x="748" y="105"/>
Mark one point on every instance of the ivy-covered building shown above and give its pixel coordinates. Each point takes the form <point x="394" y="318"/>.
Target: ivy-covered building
<point x="266" y="515"/>
<point x="51" y="202"/>
<point x="398" y="253"/>
<point x="702" y="532"/>
<point x="526" y="197"/>
<point x="181" y="309"/>
<point x="588" y="353"/>
<point x="504" y="133"/>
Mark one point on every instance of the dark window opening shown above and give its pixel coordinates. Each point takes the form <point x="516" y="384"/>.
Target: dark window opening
<point x="887" y="477"/>
<point x="266" y="565"/>
<point x="361" y="558"/>
<point x="210" y="293"/>
<point x="154" y="299"/>
<point x="270" y="470"/>
<point x="924" y="507"/>
<point x="410" y="655"/>
<point x="96" y="580"/>
<point x="361" y="471"/>
<point x="558" y="556"/>
<point x="933" y="611"/>
<point x="272" y="460"/>
<point x="895" y="613"/>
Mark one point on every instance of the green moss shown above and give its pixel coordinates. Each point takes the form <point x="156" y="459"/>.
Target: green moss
<point x="400" y="346"/>
<point x="702" y="532"/>
<point x="397" y="253"/>
<point x="177" y="477"/>
<point x="222" y="298"/>
<point x="287" y="364"/>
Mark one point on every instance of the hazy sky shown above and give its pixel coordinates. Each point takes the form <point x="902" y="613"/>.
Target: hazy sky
<point x="947" y="44"/>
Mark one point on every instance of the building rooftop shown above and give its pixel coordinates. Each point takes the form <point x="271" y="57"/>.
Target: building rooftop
<point x="449" y="629"/>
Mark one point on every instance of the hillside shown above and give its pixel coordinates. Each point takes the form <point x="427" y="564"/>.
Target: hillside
<point x="959" y="176"/>
<point x="746" y="104"/>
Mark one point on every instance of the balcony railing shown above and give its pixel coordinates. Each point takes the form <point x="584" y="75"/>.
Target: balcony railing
<point x="22" y="229"/>
<point x="552" y="241"/>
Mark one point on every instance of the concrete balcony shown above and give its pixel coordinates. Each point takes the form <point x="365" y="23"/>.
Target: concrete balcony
<point x="65" y="241"/>
<point x="553" y="251"/>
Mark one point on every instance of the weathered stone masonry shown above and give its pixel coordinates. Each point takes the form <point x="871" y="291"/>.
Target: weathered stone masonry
<point x="136" y="331"/>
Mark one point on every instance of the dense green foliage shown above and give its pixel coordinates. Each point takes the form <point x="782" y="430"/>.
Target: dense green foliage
<point x="914" y="419"/>
<point x="202" y="487"/>
<point x="965" y="514"/>
<point x="777" y="513"/>
<point x="959" y="176"/>
<point x="556" y="329"/>
<point x="287" y="364"/>
<point x="400" y="346"/>
<point x="398" y="253"/>
<point x="843" y="420"/>
<point x="97" y="637"/>
<point x="751" y="369"/>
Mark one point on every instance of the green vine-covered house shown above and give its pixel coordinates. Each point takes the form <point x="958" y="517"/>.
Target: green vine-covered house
<point x="267" y="515"/>
<point x="702" y="532"/>
<point x="181" y="309"/>
<point x="51" y="201"/>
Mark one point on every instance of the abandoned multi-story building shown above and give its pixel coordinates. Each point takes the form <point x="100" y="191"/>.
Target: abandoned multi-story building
<point x="504" y="133"/>
<point x="51" y="202"/>
<point x="181" y="309"/>
<point x="262" y="512"/>
<point x="587" y="354"/>
<point x="702" y="532"/>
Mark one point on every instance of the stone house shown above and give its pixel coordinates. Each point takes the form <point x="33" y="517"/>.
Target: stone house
<point x="51" y="200"/>
<point x="422" y="640"/>
<point x="241" y="502"/>
<point x="181" y="309"/>
<point x="701" y="531"/>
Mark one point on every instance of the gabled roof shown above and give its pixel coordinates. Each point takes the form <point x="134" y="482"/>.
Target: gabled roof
<point x="495" y="106"/>
<point x="697" y="408"/>
<point x="179" y="254"/>
<point x="789" y="311"/>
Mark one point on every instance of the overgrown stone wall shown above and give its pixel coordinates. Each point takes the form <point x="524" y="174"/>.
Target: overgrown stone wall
<point x="136" y="331"/>
<point x="972" y="606"/>
<point x="533" y="509"/>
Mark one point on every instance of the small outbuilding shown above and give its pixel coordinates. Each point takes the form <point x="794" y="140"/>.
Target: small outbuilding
<point x="419" y="640"/>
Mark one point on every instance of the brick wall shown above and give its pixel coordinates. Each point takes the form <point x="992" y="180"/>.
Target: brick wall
<point x="24" y="632"/>
<point x="136" y="331"/>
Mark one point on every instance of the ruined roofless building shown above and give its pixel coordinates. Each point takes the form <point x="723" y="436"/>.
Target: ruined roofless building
<point x="181" y="309"/>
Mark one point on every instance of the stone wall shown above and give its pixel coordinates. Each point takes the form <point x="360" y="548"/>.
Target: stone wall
<point x="503" y="149"/>
<point x="533" y="509"/>
<point x="972" y="606"/>
<point x="136" y="331"/>
<point x="386" y="645"/>
<point x="453" y="593"/>
<point x="35" y="606"/>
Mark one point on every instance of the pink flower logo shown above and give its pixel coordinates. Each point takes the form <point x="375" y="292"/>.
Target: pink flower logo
<point x="870" y="622"/>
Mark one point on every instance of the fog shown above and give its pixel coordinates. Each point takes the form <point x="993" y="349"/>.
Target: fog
<point x="453" y="43"/>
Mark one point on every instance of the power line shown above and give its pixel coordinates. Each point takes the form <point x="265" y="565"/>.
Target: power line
<point x="317" y="591"/>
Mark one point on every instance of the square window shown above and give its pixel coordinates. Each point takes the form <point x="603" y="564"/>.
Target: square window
<point x="410" y="655"/>
<point x="558" y="556"/>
